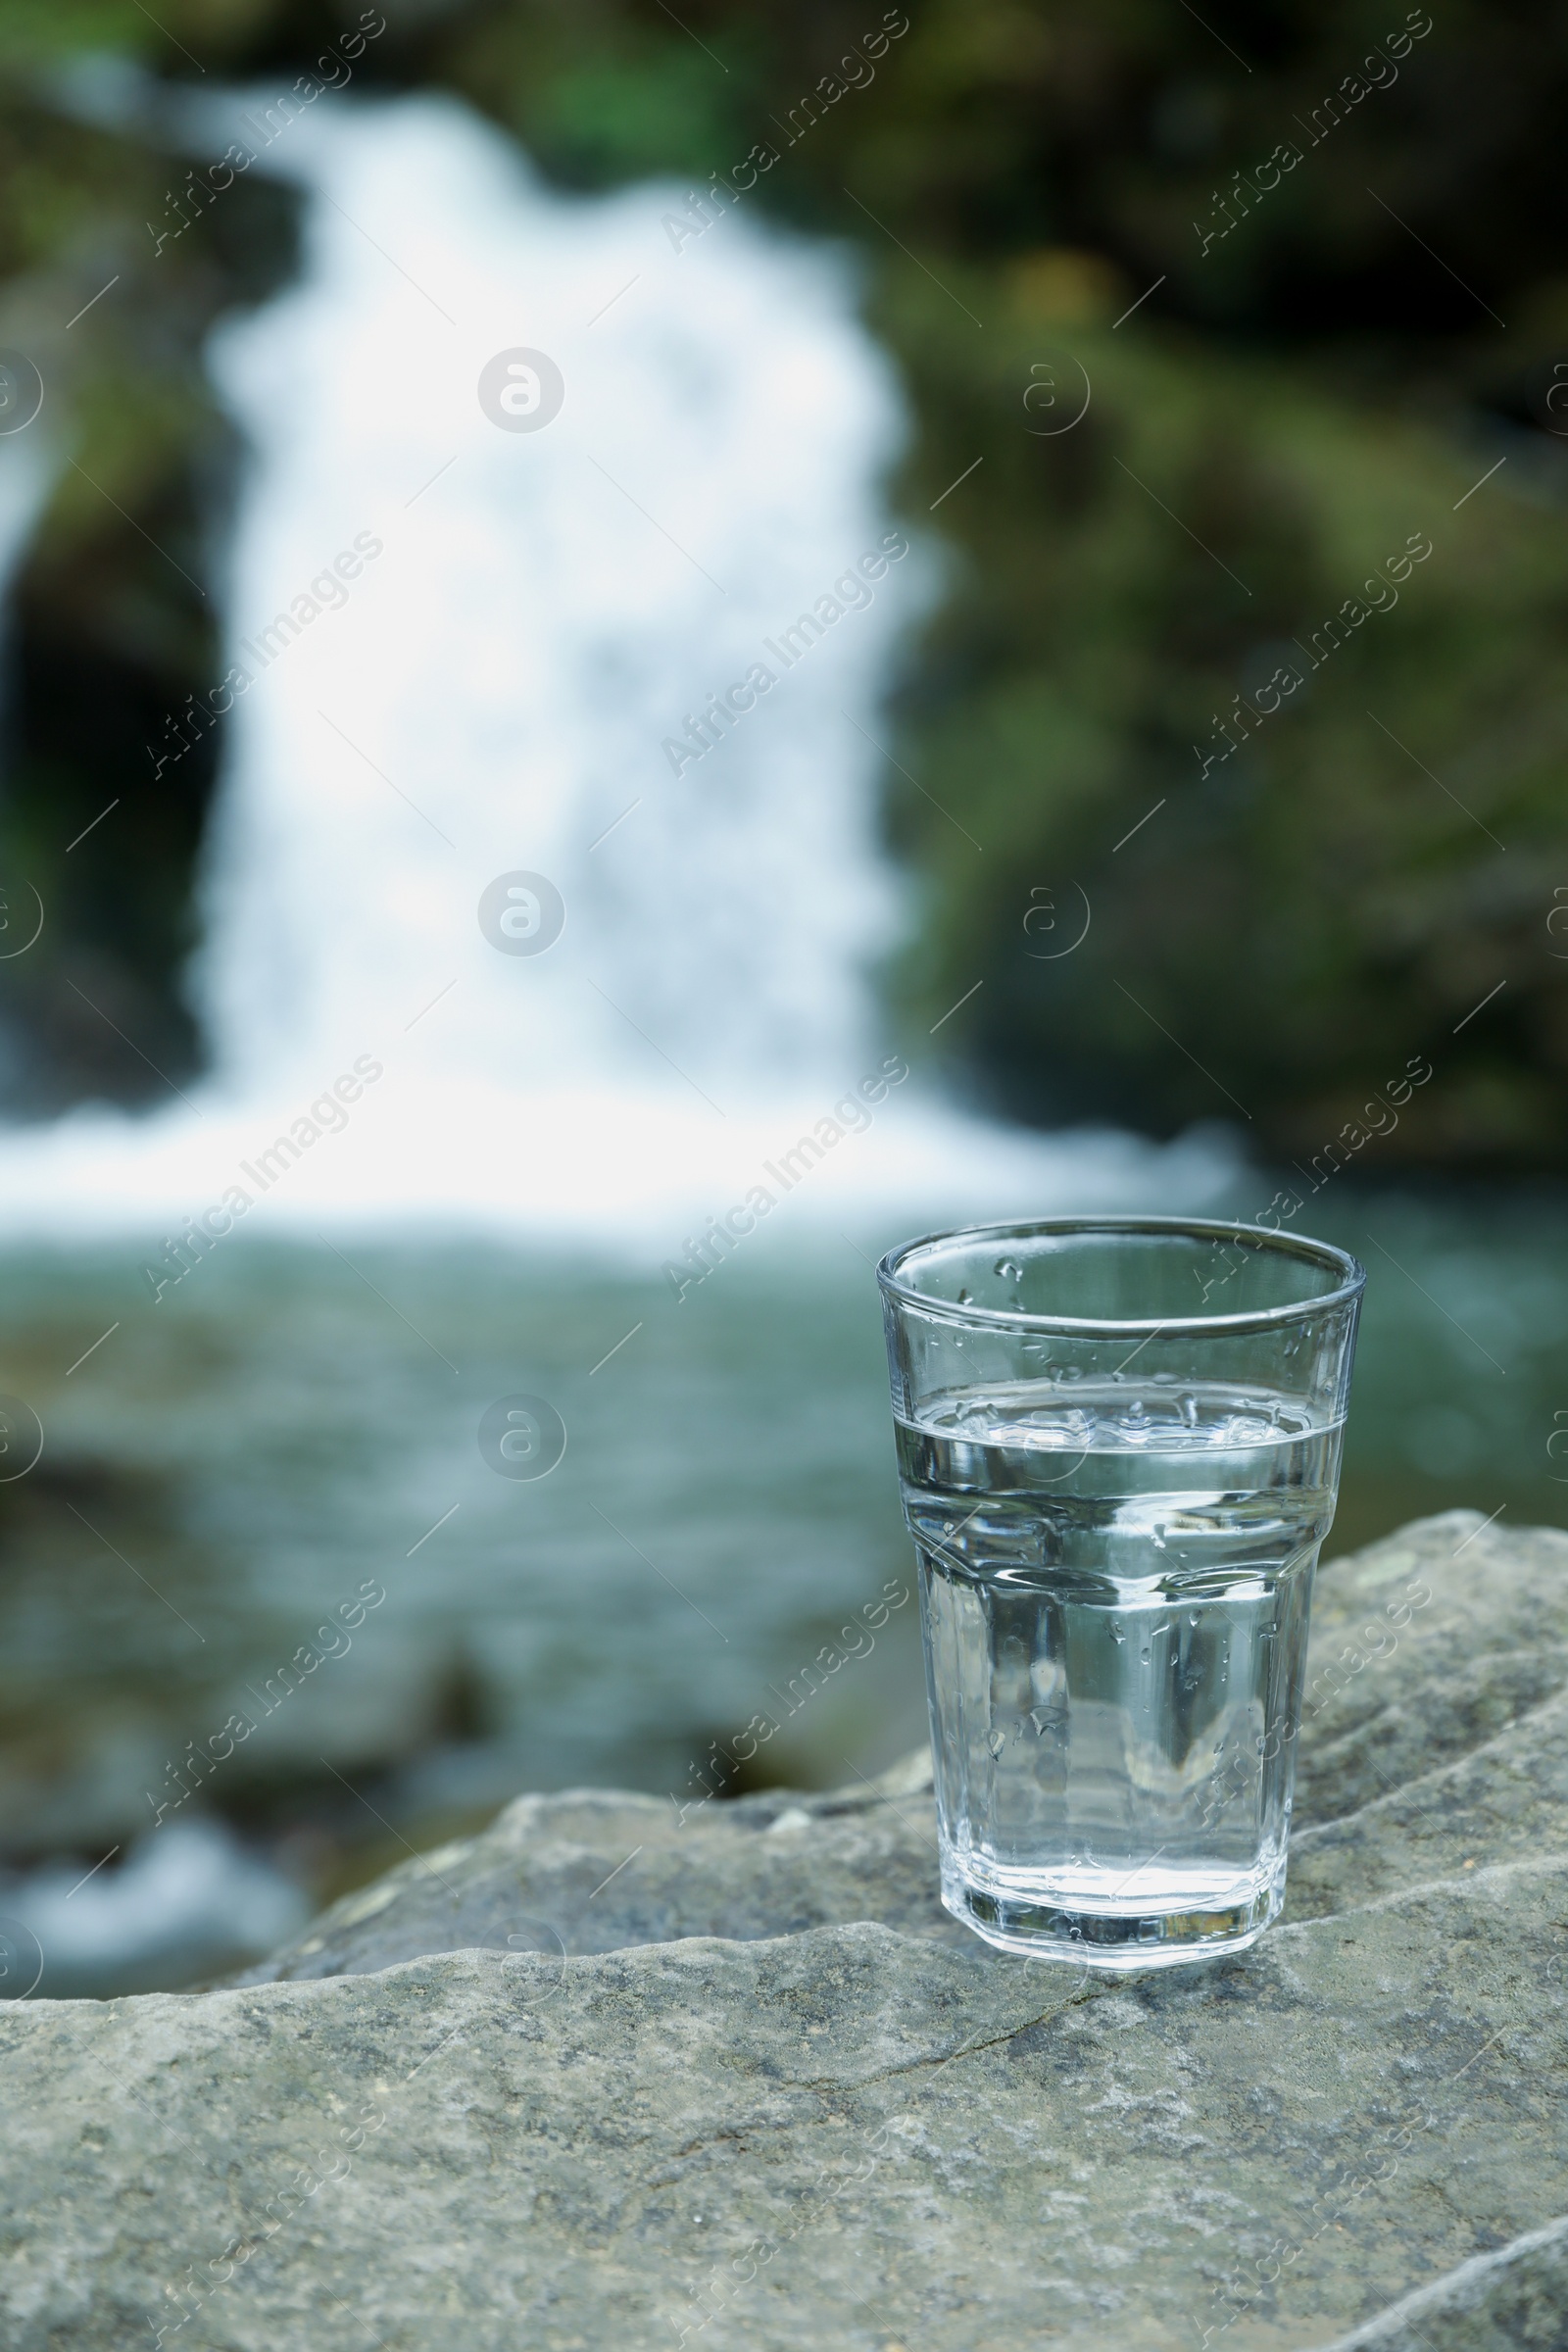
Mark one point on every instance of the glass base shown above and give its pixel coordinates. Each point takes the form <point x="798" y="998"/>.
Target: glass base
<point x="1043" y="1928"/>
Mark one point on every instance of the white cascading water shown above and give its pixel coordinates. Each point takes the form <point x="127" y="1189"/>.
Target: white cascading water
<point x="542" y="618"/>
<point x="487" y="639"/>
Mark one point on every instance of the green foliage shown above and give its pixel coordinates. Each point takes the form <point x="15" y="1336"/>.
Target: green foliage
<point x="1324" y="896"/>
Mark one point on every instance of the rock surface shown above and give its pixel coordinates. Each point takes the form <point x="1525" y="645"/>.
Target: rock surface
<point x="601" y="2077"/>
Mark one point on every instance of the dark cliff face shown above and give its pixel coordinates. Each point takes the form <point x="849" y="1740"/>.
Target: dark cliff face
<point x="113" y="621"/>
<point x="1190" y="678"/>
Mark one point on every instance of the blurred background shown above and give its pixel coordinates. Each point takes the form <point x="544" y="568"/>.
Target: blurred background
<point x="412" y="421"/>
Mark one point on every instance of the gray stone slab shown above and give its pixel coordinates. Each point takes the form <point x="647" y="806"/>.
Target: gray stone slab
<point x="825" y="2129"/>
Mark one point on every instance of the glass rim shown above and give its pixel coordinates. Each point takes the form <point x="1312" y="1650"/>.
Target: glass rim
<point x="1352" y="1272"/>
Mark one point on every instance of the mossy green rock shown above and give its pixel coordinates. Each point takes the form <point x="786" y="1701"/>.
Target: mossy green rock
<point x="769" y="2096"/>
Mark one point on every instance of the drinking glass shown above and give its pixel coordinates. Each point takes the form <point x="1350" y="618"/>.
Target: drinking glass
<point x="1119" y="1447"/>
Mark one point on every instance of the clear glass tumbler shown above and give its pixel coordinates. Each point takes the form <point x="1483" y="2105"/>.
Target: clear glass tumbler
<point x="1119" y="1448"/>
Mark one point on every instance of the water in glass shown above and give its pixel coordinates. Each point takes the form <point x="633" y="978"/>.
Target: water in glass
<point x="1115" y="1582"/>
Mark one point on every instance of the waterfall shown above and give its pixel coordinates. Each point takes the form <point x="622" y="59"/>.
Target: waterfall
<point x="545" y="611"/>
<point x="562" y="552"/>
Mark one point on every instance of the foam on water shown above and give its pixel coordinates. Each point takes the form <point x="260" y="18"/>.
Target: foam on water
<point x="188" y="1899"/>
